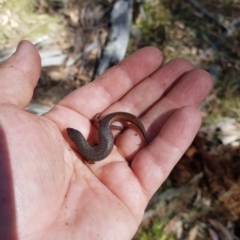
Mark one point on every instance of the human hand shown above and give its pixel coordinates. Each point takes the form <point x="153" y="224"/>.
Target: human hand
<point x="47" y="191"/>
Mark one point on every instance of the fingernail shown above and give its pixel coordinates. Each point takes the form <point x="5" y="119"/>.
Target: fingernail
<point x="19" y="45"/>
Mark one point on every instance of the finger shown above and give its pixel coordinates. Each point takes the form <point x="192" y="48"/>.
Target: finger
<point x="19" y="75"/>
<point x="114" y="83"/>
<point x="190" y="90"/>
<point x="152" y="89"/>
<point x="141" y="97"/>
<point x="153" y="164"/>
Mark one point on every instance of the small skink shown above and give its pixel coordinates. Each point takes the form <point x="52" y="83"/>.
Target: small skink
<point x="105" y="136"/>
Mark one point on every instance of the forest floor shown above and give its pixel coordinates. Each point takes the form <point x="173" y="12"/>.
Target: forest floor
<point x="201" y="197"/>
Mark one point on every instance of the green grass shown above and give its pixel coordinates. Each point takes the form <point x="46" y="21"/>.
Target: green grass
<point x="155" y="231"/>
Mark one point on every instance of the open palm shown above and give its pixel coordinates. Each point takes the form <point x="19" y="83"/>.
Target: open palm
<point x="48" y="191"/>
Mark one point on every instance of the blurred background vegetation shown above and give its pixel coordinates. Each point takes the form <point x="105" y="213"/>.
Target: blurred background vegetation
<point x="210" y="41"/>
<point x="204" y="32"/>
